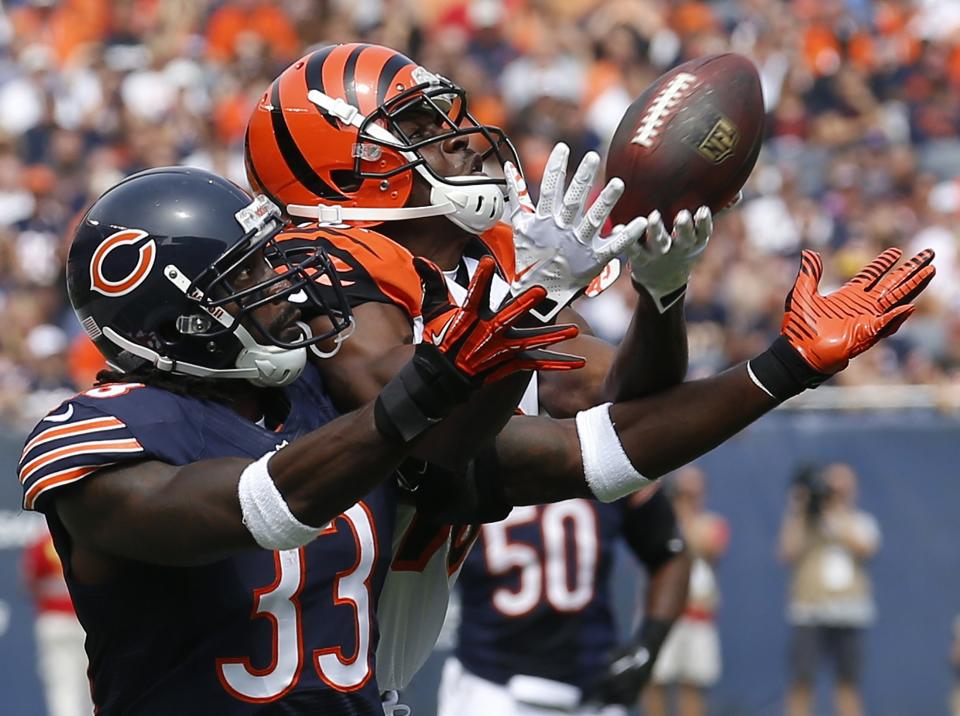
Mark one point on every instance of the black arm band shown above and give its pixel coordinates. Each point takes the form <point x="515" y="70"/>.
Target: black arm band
<point x="782" y="372"/>
<point x="652" y="634"/>
<point x="423" y="393"/>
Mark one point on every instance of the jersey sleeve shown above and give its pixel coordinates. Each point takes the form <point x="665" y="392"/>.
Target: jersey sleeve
<point x="650" y="528"/>
<point x="499" y="242"/>
<point x="106" y="426"/>
<point x="370" y="266"/>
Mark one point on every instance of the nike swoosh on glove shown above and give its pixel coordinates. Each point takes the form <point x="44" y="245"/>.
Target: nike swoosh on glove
<point x="463" y="348"/>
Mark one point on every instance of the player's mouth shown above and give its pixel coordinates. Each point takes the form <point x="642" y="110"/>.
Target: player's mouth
<point x="285" y="326"/>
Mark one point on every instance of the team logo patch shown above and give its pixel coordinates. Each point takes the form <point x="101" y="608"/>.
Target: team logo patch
<point x="134" y="274"/>
<point x="720" y="140"/>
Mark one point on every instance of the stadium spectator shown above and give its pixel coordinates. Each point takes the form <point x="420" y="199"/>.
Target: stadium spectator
<point x="862" y="131"/>
<point x="827" y="540"/>
<point x="689" y="662"/>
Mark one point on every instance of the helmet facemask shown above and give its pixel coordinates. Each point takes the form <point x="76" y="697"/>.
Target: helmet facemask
<point x="473" y="202"/>
<point x="220" y="312"/>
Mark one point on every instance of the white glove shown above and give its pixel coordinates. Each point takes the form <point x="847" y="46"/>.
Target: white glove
<point x="558" y="243"/>
<point x="662" y="264"/>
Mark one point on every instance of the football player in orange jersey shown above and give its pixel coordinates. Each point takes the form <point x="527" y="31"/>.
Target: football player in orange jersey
<point x="358" y="136"/>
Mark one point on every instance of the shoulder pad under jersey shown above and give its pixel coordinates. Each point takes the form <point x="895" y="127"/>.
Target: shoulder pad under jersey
<point x="499" y="242"/>
<point x="106" y="425"/>
<point x="371" y="267"/>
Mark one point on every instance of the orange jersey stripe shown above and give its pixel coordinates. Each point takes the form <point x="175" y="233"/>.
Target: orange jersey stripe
<point x="57" y="479"/>
<point x="81" y="427"/>
<point x="89" y="448"/>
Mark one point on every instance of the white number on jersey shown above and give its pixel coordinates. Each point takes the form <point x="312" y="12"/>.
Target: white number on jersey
<point x="280" y="602"/>
<point x="566" y="527"/>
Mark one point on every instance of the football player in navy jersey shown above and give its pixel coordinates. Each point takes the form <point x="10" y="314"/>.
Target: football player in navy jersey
<point x="223" y="533"/>
<point x="536" y="628"/>
<point x="407" y="191"/>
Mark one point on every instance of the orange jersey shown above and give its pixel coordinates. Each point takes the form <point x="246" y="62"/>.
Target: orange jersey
<point x="371" y="267"/>
<point x="374" y="268"/>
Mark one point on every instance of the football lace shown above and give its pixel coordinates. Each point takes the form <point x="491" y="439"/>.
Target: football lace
<point x="661" y="107"/>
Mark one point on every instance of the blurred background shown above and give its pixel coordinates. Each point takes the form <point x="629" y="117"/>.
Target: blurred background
<point x="862" y="153"/>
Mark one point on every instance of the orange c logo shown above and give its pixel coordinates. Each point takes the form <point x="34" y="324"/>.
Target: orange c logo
<point x="136" y="276"/>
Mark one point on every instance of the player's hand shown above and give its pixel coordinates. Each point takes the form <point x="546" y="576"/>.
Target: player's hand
<point x="662" y="262"/>
<point x="827" y="331"/>
<point x="463" y="348"/>
<point x="625" y="677"/>
<point x="558" y="243"/>
<point x="487" y="345"/>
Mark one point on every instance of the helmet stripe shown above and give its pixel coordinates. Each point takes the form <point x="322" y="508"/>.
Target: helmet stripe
<point x="390" y="70"/>
<point x="333" y="71"/>
<point x="254" y="177"/>
<point x="314" y="70"/>
<point x="350" y="75"/>
<point x="313" y="75"/>
<point x="295" y="160"/>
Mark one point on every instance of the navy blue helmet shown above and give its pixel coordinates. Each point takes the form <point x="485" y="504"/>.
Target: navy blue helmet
<point x="149" y="275"/>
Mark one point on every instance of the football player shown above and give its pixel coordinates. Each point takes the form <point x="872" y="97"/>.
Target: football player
<point x="358" y="136"/>
<point x="223" y="533"/>
<point x="536" y="629"/>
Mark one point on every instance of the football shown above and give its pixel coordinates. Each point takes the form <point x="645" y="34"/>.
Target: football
<point x="691" y="139"/>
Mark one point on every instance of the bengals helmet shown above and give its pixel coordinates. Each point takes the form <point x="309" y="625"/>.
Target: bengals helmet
<point x="324" y="142"/>
<point x="151" y="275"/>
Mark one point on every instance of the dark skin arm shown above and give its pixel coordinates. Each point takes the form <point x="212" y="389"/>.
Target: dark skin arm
<point x="540" y="458"/>
<point x="651" y="357"/>
<point x="190" y="515"/>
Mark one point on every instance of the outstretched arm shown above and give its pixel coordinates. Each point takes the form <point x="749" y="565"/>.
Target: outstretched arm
<point x="195" y="513"/>
<point x="541" y="460"/>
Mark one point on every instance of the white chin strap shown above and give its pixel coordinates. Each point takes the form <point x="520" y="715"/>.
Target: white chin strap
<point x="265" y="366"/>
<point x="473" y="207"/>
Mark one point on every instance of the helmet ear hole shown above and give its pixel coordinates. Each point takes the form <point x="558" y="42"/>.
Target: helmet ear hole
<point x="346" y="180"/>
<point x="168" y="333"/>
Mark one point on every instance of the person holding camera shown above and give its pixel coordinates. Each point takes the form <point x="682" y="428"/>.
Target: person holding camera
<point x="827" y="542"/>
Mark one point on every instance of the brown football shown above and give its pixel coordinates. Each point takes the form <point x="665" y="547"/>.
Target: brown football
<point x="691" y="139"/>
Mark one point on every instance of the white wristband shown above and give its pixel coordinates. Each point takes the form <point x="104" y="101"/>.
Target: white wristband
<point x="265" y="512"/>
<point x="606" y="467"/>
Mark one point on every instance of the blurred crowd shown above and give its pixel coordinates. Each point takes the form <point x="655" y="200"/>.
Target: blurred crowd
<point x="863" y="117"/>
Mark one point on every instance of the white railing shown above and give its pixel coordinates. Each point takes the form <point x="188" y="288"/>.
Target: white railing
<point x="944" y="398"/>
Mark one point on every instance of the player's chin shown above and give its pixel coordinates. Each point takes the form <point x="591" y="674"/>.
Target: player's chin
<point x="285" y="328"/>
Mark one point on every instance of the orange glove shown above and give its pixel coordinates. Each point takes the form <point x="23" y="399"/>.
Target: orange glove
<point x="830" y="330"/>
<point x="486" y="345"/>
<point x="820" y="334"/>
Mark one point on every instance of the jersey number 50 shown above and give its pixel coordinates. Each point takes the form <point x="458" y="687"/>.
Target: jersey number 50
<point x="280" y="603"/>
<point x="567" y="528"/>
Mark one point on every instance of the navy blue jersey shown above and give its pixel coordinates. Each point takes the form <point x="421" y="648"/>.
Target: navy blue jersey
<point x="536" y="588"/>
<point x="289" y="632"/>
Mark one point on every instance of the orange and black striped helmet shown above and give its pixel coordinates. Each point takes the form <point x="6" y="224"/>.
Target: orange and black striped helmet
<point x="324" y="142"/>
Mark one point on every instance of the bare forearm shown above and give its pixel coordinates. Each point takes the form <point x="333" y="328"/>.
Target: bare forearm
<point x="652" y="355"/>
<point x="664" y="431"/>
<point x="540" y="458"/>
<point x="326" y="472"/>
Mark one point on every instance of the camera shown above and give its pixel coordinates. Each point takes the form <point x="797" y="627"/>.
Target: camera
<point x="810" y="479"/>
